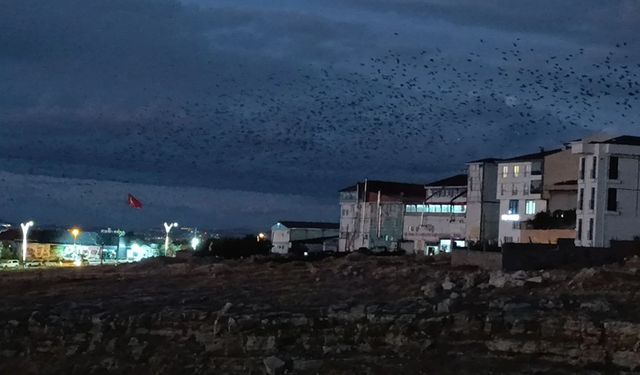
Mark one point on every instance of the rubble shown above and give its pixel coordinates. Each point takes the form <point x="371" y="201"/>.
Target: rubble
<point x="331" y="316"/>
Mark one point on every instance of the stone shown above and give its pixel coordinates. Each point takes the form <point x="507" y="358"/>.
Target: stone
<point x="274" y="365"/>
<point x="497" y="279"/>
<point x="447" y="284"/>
<point x="535" y="279"/>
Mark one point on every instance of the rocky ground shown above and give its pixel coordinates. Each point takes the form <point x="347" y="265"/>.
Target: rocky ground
<point x="350" y="315"/>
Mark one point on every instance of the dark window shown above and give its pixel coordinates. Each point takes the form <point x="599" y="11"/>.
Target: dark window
<point x="613" y="168"/>
<point x="581" y="199"/>
<point x="612" y="200"/>
<point x="594" y="166"/>
<point x="579" y="230"/>
<point x="590" y="233"/>
<point x="513" y="206"/>
<point x="592" y="201"/>
<point x="536" y="187"/>
<point x="582" y="168"/>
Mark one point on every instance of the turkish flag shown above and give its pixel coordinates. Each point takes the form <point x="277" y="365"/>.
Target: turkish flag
<point x="133" y="202"/>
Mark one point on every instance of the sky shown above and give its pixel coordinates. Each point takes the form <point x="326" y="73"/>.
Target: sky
<point x="237" y="114"/>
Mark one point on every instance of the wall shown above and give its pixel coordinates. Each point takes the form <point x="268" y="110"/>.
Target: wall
<point x="483" y="259"/>
<point x="546" y="236"/>
<point x="434" y="227"/>
<point x="539" y="256"/>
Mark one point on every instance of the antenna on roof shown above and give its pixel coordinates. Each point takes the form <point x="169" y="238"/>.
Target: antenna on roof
<point x="541" y="148"/>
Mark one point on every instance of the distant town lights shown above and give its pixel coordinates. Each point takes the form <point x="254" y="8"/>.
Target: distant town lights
<point x="195" y="241"/>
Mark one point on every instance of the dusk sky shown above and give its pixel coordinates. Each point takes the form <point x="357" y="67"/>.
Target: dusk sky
<point x="235" y="114"/>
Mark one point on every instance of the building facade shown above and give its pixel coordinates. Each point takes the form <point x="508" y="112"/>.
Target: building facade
<point x="608" y="202"/>
<point x="438" y="223"/>
<point x="483" y="207"/>
<point x="285" y="233"/>
<point x="372" y="214"/>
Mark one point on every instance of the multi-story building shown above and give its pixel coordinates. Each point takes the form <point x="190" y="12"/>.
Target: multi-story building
<point x="608" y="203"/>
<point x="483" y="207"/>
<point x="371" y="213"/>
<point x="437" y="224"/>
<point x="285" y="233"/>
<point x="520" y="192"/>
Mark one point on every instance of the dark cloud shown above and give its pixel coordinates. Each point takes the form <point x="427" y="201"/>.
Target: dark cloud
<point x="303" y="98"/>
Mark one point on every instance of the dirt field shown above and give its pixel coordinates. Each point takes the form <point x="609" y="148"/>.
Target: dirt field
<point x="356" y="314"/>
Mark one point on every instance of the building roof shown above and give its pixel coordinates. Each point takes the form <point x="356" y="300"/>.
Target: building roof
<point x="567" y="182"/>
<point x="485" y="160"/>
<point x="309" y="224"/>
<point x="389" y="188"/>
<point x="317" y="240"/>
<point x="622" y="140"/>
<point x="535" y="156"/>
<point x="457" y="180"/>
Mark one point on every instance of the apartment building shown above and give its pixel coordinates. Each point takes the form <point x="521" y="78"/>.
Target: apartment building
<point x="437" y="224"/>
<point x="608" y="202"/>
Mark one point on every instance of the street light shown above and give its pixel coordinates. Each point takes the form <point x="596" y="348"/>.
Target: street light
<point x="260" y="237"/>
<point x="167" y="228"/>
<point x="75" y="232"/>
<point x="25" y="229"/>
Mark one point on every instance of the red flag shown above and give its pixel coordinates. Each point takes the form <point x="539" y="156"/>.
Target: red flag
<point x="133" y="202"/>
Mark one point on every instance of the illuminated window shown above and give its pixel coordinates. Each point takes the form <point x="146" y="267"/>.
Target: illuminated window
<point x="516" y="170"/>
<point x="530" y="207"/>
<point x="505" y="171"/>
<point x="513" y="207"/>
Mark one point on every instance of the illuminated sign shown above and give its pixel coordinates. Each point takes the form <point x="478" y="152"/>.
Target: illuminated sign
<point x="510" y="217"/>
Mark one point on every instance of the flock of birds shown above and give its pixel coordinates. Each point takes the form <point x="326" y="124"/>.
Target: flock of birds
<point x="394" y="115"/>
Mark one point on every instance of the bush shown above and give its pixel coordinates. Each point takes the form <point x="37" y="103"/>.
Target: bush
<point x="233" y="248"/>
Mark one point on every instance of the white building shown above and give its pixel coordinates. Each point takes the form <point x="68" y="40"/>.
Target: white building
<point x="438" y="223"/>
<point x="483" y="207"/>
<point x="609" y="190"/>
<point x="285" y="233"/>
<point x="372" y="213"/>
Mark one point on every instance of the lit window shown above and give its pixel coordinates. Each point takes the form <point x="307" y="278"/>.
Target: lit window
<point x="505" y="171"/>
<point x="513" y="207"/>
<point x="516" y="170"/>
<point x="530" y="207"/>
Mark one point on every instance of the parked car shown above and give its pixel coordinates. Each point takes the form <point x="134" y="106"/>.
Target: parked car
<point x="9" y="263"/>
<point x="33" y="263"/>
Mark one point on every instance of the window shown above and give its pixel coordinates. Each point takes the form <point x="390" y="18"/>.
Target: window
<point x="503" y="188"/>
<point x="516" y="170"/>
<point x="514" y="189"/>
<point x="582" y="168"/>
<point x="613" y="168"/>
<point x="536" y="187"/>
<point x="508" y="239"/>
<point x="525" y="188"/>
<point x="581" y="198"/>
<point x="590" y="232"/>
<point x="515" y="225"/>
<point x="530" y="207"/>
<point x="527" y="169"/>
<point x="594" y="166"/>
<point x="505" y="171"/>
<point x="513" y="207"/>
<point x="592" y="201"/>
<point x="612" y="200"/>
<point x="471" y="183"/>
<point x="579" y="230"/>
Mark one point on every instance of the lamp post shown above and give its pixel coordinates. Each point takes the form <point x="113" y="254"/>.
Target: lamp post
<point x="167" y="228"/>
<point x="25" y="229"/>
<point x="75" y="232"/>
